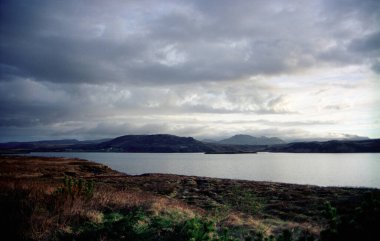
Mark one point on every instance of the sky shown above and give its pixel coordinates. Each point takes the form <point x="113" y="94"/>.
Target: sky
<point x="298" y="70"/>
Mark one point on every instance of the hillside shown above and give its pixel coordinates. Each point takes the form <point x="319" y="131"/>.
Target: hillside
<point x="47" y="145"/>
<point x="37" y="144"/>
<point x="329" y="147"/>
<point x="251" y="140"/>
<point x="171" y="144"/>
<point x="152" y="143"/>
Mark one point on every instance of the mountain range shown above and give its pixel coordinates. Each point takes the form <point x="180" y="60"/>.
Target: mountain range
<point x="248" y="140"/>
<point x="152" y="143"/>
<point x="334" y="146"/>
<point x="46" y="144"/>
<point x="169" y="143"/>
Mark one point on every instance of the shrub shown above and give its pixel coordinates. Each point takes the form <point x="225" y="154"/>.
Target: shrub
<point x="196" y="229"/>
<point x="362" y="225"/>
<point x="140" y="225"/>
<point x="243" y="200"/>
<point x="76" y="187"/>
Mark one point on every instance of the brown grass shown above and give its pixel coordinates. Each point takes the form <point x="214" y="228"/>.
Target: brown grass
<point x="31" y="209"/>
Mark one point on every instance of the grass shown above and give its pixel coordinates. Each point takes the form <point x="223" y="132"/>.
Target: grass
<point x="243" y="200"/>
<point x="39" y="201"/>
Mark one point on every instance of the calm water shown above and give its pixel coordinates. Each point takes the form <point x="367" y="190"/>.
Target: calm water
<point x="317" y="169"/>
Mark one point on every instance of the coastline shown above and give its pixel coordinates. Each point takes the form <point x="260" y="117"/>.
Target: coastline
<point x="267" y="207"/>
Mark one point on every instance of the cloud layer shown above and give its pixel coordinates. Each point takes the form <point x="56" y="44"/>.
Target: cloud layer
<point x="101" y="68"/>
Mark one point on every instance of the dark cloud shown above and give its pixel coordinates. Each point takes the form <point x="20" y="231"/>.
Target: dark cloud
<point x="176" y="42"/>
<point x="67" y="63"/>
<point x="376" y="67"/>
<point x="369" y="43"/>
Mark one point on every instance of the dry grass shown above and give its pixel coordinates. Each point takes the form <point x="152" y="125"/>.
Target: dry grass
<point x="31" y="208"/>
<point x="45" y="213"/>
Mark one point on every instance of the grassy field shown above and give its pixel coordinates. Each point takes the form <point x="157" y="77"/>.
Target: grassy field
<point x="70" y="199"/>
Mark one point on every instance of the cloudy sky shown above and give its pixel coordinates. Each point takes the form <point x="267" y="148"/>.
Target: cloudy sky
<point x="208" y="69"/>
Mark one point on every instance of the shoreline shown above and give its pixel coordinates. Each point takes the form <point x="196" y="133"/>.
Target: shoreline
<point x="304" y="179"/>
<point x="157" y="174"/>
<point x="270" y="207"/>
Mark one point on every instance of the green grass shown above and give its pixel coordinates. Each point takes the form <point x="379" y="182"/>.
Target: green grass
<point x="75" y="187"/>
<point x="243" y="200"/>
<point x="141" y="225"/>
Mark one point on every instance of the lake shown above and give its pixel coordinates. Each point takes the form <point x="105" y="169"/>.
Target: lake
<point x="354" y="170"/>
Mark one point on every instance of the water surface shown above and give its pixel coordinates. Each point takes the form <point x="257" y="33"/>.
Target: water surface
<point x="355" y="170"/>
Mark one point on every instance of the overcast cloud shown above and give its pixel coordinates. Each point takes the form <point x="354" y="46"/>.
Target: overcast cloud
<point x="95" y="69"/>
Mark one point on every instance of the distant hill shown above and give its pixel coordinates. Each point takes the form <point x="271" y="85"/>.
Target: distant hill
<point x="344" y="138"/>
<point x="334" y="146"/>
<point x="95" y="141"/>
<point x="128" y="143"/>
<point x="171" y="144"/>
<point x="46" y="145"/>
<point x="152" y="143"/>
<point x="38" y="144"/>
<point x="251" y="140"/>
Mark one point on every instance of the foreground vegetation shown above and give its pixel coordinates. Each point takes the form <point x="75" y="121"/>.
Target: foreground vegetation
<point x="71" y="199"/>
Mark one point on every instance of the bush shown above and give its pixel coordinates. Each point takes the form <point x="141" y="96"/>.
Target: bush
<point x="139" y="225"/>
<point x="199" y="230"/>
<point x="243" y="200"/>
<point x="76" y="187"/>
<point x="362" y="225"/>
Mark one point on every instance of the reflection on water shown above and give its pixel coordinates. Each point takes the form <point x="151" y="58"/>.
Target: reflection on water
<point x="359" y="169"/>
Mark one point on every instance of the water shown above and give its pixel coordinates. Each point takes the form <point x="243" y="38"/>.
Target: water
<point x="355" y="170"/>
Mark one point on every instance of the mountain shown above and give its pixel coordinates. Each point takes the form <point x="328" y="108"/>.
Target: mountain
<point x="38" y="144"/>
<point x="170" y="144"/>
<point x="251" y="140"/>
<point x="152" y="143"/>
<point x="95" y="141"/>
<point x="335" y="146"/>
<point x="46" y="145"/>
<point x="345" y="137"/>
<point x="128" y="143"/>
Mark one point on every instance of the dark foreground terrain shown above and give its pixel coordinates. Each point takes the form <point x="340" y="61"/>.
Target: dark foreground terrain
<point x="71" y="199"/>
